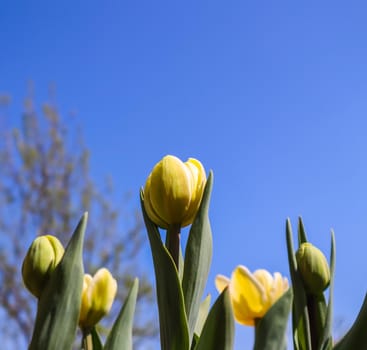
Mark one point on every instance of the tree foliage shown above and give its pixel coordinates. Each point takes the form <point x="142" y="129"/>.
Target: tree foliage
<point x="45" y="186"/>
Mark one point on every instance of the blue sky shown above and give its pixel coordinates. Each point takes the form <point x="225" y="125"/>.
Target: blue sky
<point x="270" y="95"/>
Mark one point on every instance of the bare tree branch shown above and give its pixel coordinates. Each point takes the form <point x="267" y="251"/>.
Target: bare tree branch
<point x="45" y="186"/>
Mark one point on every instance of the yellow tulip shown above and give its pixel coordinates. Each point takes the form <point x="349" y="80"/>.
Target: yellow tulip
<point x="252" y="294"/>
<point x="97" y="297"/>
<point x="42" y="257"/>
<point x="173" y="191"/>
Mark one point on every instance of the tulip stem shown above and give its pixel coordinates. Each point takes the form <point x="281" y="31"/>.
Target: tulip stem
<point x="173" y="242"/>
<point x="87" y="343"/>
<point x="317" y="315"/>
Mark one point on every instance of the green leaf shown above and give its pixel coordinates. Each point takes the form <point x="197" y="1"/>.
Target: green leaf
<point x="302" y="237"/>
<point x="180" y="265"/>
<point x="198" y="256"/>
<point x="96" y="340"/>
<point x="300" y="320"/>
<point x="121" y="335"/>
<point x="326" y="340"/>
<point x="356" y="338"/>
<point x="271" y="329"/>
<point x="172" y="317"/>
<point x="59" y="305"/>
<point x="218" y="330"/>
<point x="203" y="314"/>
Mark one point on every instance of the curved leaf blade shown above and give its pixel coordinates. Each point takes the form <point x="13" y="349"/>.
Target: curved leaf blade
<point x="198" y="256"/>
<point x="327" y="340"/>
<point x="218" y="330"/>
<point x="121" y="335"/>
<point x="271" y="329"/>
<point x="59" y="305"/>
<point x="202" y="316"/>
<point x="172" y="316"/>
<point x="356" y="338"/>
<point x="302" y="237"/>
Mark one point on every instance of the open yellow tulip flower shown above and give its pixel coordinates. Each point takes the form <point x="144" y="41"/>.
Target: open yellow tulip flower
<point x="173" y="191"/>
<point x="252" y="294"/>
<point x="97" y="297"/>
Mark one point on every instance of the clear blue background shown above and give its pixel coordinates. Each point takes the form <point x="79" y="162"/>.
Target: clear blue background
<point x="270" y="95"/>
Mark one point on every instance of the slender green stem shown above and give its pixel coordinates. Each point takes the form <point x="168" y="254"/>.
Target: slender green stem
<point x="173" y="242"/>
<point x="87" y="343"/>
<point x="316" y="307"/>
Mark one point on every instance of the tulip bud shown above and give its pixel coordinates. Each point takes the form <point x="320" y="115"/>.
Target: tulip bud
<point x="42" y="257"/>
<point x="313" y="267"/>
<point x="97" y="297"/>
<point x="173" y="191"/>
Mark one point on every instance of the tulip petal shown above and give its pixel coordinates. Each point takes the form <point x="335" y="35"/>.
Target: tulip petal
<point x="57" y="247"/>
<point x="104" y="291"/>
<point x="86" y="298"/>
<point x="265" y="278"/>
<point x="247" y="296"/>
<point x="149" y="208"/>
<point x="198" y="180"/>
<point x="221" y="282"/>
<point x="280" y="285"/>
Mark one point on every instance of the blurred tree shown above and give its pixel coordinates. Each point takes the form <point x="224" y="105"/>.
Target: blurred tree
<point x="45" y="186"/>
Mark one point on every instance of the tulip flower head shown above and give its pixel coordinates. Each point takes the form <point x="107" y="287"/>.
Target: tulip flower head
<point x="97" y="297"/>
<point x="313" y="267"/>
<point x="42" y="257"/>
<point x="173" y="191"/>
<point x="252" y="294"/>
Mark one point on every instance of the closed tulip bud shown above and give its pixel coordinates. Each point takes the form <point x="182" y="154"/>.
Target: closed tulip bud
<point x="42" y="257"/>
<point x="313" y="267"/>
<point x="97" y="297"/>
<point x="173" y="191"/>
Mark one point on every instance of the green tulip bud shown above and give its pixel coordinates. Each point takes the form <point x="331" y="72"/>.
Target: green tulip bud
<point x="173" y="191"/>
<point x="42" y="257"/>
<point x="313" y="267"/>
